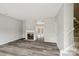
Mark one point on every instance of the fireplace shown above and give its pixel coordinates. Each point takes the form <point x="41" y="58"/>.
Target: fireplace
<point x="30" y="36"/>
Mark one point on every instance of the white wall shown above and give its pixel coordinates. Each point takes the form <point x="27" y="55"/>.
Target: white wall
<point x="60" y="28"/>
<point x="50" y="28"/>
<point x="65" y="29"/>
<point x="24" y="29"/>
<point x="68" y="25"/>
<point x="10" y="29"/>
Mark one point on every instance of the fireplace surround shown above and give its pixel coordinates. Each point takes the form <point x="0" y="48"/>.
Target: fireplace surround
<point x="30" y="35"/>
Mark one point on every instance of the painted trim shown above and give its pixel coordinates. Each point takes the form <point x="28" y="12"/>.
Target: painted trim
<point x="66" y="49"/>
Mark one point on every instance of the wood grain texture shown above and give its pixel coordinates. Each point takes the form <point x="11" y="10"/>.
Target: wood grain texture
<point x="29" y="48"/>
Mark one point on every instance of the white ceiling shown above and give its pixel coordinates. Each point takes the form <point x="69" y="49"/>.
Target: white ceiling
<point x="25" y="11"/>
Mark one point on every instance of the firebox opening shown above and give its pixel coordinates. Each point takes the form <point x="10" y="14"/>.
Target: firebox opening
<point x="30" y="36"/>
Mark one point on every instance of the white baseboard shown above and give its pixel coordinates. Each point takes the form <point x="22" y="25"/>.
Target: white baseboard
<point x="66" y="49"/>
<point x="1" y="43"/>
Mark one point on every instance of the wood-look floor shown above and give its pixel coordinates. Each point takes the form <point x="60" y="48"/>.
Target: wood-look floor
<point x="29" y="48"/>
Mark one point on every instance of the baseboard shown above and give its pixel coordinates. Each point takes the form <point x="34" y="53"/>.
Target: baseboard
<point x="66" y="49"/>
<point x="50" y="41"/>
<point x="2" y="43"/>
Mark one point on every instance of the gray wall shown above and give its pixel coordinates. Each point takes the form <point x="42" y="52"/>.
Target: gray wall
<point x="10" y="29"/>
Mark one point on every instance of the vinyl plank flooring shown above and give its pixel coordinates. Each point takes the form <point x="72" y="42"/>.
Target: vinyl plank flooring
<point x="29" y="48"/>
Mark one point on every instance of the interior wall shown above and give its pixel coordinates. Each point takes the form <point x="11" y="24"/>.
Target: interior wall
<point x="24" y="29"/>
<point x="60" y="27"/>
<point x="64" y="20"/>
<point x="50" y="28"/>
<point x="68" y="25"/>
<point x="10" y="29"/>
<point x="28" y="25"/>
